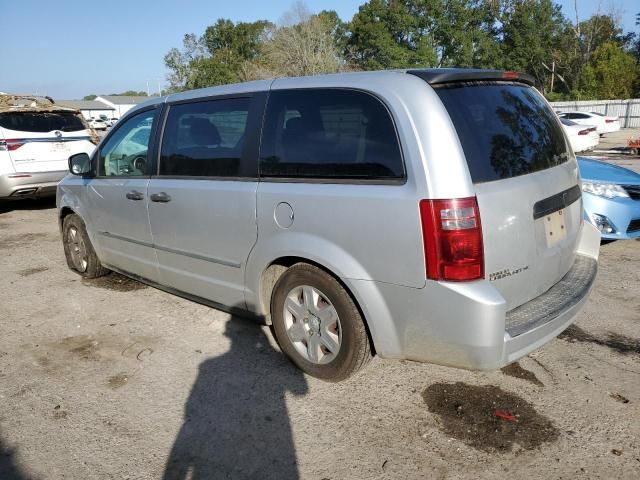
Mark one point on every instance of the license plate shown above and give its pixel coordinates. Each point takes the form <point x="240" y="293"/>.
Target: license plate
<point x="555" y="228"/>
<point x="60" y="147"/>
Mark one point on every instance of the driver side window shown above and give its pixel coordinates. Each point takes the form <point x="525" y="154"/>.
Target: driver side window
<point x="126" y="153"/>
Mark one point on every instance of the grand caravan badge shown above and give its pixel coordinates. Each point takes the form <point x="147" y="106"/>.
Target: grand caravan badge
<point x="507" y="272"/>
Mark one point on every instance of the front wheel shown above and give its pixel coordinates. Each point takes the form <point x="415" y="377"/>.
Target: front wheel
<point x="81" y="257"/>
<point x="317" y="324"/>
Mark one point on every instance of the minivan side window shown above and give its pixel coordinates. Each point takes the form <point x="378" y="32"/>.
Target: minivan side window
<point x="329" y="134"/>
<point x="205" y="139"/>
<point x="126" y="152"/>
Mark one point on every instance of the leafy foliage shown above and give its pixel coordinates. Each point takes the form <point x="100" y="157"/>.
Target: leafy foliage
<point x="592" y="57"/>
<point x="611" y="73"/>
<point x="130" y="93"/>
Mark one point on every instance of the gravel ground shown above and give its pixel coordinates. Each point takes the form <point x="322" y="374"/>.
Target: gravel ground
<point x="112" y="379"/>
<point x="616" y="140"/>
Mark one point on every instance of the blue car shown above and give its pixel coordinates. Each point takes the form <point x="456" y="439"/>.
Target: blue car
<point x="611" y="197"/>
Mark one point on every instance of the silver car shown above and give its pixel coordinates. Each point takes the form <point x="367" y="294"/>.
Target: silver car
<point x="431" y="215"/>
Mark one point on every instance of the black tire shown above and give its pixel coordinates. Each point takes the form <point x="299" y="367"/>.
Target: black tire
<point x="354" y="349"/>
<point x="80" y="255"/>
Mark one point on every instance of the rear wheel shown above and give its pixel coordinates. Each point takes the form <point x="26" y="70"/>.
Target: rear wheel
<point x="81" y="257"/>
<point x="317" y="324"/>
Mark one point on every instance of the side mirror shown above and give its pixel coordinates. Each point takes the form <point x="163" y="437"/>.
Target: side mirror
<point x="80" y="164"/>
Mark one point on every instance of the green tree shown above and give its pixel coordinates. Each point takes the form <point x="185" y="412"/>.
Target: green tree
<point x="131" y="93"/>
<point x="576" y="45"/>
<point x="217" y="57"/>
<point x="466" y="34"/>
<point x="89" y="97"/>
<point x="424" y="33"/>
<point x="338" y="29"/>
<point x="178" y="61"/>
<point x="230" y="43"/>
<point x="610" y="74"/>
<point x="531" y="31"/>
<point x="393" y="34"/>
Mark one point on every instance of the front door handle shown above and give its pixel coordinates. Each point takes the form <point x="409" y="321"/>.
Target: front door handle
<point x="160" y="197"/>
<point x="135" y="195"/>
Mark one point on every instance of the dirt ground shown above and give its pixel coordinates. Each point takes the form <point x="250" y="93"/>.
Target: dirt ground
<point x="111" y="379"/>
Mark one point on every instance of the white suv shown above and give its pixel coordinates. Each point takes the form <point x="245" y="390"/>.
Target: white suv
<point x="36" y="139"/>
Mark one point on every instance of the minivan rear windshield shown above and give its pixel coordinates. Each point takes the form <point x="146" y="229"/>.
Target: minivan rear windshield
<point x="41" y="122"/>
<point x="506" y="129"/>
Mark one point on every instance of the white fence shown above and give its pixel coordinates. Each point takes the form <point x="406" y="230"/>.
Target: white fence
<point x="627" y="110"/>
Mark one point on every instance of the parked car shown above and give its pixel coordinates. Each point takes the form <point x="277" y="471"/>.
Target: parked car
<point x="109" y="122"/>
<point x="611" y="196"/>
<point x="581" y="137"/>
<point x="433" y="215"/>
<point x="603" y="123"/>
<point x="36" y="139"/>
<point x="97" y="123"/>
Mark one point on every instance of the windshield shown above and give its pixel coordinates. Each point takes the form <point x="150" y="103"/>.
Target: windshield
<point x="505" y="129"/>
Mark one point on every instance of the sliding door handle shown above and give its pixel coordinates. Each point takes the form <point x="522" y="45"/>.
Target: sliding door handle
<point x="162" y="197"/>
<point x="135" y="195"/>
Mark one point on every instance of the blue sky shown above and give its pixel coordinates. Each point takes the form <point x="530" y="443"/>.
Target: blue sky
<point x="68" y="49"/>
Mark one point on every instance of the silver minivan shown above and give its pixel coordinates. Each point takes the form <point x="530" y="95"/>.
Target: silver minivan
<point x="432" y="215"/>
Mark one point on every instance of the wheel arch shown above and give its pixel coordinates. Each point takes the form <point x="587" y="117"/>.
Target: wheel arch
<point x="64" y="212"/>
<point x="272" y="273"/>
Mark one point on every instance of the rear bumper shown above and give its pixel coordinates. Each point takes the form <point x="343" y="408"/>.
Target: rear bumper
<point x="466" y="325"/>
<point x="543" y="318"/>
<point x="29" y="185"/>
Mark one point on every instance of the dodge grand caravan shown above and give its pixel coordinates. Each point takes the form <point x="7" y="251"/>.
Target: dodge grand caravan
<point x="432" y="215"/>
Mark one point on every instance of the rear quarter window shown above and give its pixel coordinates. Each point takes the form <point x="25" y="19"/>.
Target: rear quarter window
<point x="329" y="134"/>
<point x="506" y="130"/>
<point x="41" y="122"/>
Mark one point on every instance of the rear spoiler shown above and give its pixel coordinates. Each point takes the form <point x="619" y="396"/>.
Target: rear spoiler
<point x="438" y="76"/>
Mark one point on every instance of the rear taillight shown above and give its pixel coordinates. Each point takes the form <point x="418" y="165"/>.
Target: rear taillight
<point x="11" y="144"/>
<point x="609" y="120"/>
<point x="510" y="75"/>
<point x="584" y="132"/>
<point x="452" y="236"/>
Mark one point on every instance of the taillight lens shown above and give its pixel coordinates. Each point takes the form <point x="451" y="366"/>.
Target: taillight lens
<point x="11" y="144"/>
<point x="584" y="132"/>
<point x="609" y="120"/>
<point x="452" y="236"/>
